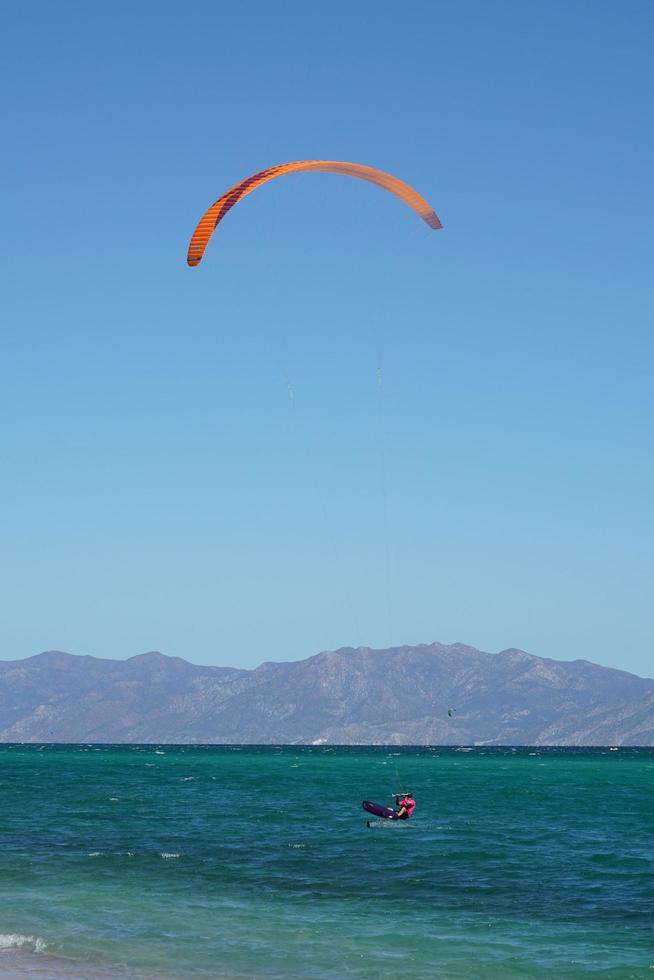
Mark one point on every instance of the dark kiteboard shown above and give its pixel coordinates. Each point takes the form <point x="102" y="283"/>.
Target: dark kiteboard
<point x="379" y="811"/>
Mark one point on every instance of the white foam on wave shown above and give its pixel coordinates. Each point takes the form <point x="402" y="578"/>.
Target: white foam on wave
<point x="168" y="855"/>
<point x="97" y="854"/>
<point x="15" y="940"/>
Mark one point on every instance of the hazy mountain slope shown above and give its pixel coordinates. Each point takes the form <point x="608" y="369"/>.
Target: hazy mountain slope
<point x="400" y="695"/>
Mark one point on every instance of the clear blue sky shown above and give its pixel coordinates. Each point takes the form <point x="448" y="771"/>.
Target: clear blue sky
<point x="204" y="461"/>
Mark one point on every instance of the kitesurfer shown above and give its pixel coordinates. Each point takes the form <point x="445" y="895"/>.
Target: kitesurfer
<point x="406" y="804"/>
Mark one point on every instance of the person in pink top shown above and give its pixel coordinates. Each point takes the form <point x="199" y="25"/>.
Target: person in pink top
<point x="406" y="804"/>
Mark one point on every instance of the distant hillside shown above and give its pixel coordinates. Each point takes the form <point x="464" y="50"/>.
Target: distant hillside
<point x="349" y="696"/>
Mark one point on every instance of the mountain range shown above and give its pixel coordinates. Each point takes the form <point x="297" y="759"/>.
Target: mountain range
<point x="409" y="695"/>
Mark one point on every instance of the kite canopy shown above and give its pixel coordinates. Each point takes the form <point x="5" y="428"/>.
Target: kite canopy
<point x="210" y="220"/>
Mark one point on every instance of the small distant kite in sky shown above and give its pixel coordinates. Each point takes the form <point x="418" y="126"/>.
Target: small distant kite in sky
<point x="451" y="712"/>
<point x="210" y="220"/>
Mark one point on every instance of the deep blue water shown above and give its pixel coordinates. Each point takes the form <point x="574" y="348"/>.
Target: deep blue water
<point x="147" y="861"/>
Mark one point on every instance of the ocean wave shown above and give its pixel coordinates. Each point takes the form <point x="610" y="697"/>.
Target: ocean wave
<point x="96" y="854"/>
<point x="168" y="855"/>
<point x="15" y="940"/>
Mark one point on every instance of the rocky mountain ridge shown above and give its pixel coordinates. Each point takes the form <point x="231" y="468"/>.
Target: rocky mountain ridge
<point x="348" y="696"/>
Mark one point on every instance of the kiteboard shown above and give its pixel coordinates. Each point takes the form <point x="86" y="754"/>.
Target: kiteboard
<point x="379" y="811"/>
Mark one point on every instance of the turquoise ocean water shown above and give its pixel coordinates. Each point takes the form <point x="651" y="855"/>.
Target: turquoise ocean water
<point x="145" y="861"/>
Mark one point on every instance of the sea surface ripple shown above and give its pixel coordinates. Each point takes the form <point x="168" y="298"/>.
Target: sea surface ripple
<point x="243" y="861"/>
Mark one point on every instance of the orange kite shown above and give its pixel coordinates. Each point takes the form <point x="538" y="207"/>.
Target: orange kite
<point x="210" y="220"/>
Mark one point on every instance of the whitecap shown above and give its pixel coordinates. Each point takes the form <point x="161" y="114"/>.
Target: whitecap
<point x="168" y="855"/>
<point x="15" y="940"/>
